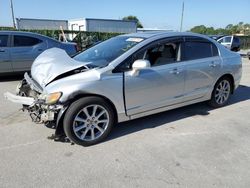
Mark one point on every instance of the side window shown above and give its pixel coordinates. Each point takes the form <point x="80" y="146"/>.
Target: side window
<point x="227" y="39"/>
<point x="3" y="40"/>
<point x="162" y="54"/>
<point x="199" y="50"/>
<point x="25" y="41"/>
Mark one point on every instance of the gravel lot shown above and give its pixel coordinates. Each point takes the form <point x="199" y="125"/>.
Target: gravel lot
<point x="194" y="146"/>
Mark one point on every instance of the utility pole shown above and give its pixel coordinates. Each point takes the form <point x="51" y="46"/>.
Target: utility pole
<point x="12" y="12"/>
<point x="182" y="14"/>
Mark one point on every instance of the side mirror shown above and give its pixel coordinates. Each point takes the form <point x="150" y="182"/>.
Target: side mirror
<point x="139" y="65"/>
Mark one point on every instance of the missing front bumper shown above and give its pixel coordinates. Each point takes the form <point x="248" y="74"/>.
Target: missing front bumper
<point x="19" y="99"/>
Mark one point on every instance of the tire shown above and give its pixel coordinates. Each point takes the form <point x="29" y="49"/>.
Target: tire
<point x="221" y="93"/>
<point x="81" y="122"/>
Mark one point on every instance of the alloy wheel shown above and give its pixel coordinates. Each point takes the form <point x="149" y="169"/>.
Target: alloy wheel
<point x="222" y="92"/>
<point x="91" y="122"/>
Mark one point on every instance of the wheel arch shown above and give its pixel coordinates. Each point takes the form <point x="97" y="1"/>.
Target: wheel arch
<point x="73" y="98"/>
<point x="231" y="78"/>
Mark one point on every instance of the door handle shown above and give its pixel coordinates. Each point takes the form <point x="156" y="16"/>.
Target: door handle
<point x="40" y="50"/>
<point x="174" y="71"/>
<point x="2" y="50"/>
<point x="213" y="64"/>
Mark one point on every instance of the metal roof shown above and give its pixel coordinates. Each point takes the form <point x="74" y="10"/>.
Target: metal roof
<point x="164" y="34"/>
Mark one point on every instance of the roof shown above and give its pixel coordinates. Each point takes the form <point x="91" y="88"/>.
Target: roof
<point x="101" y="19"/>
<point x="164" y="34"/>
<point x="19" y="32"/>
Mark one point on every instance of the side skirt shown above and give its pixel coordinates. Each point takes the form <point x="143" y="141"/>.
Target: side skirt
<point x="158" y="110"/>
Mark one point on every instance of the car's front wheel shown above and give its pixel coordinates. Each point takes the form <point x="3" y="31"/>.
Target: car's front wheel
<point x="88" y="121"/>
<point x="221" y="93"/>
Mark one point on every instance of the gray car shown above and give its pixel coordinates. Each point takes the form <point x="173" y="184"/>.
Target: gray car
<point x="126" y="77"/>
<point x="19" y="49"/>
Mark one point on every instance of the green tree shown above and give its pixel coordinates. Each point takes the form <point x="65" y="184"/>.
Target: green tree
<point x="247" y="29"/>
<point x="133" y="18"/>
<point x="229" y="26"/>
<point x="199" y="29"/>
<point x="210" y="31"/>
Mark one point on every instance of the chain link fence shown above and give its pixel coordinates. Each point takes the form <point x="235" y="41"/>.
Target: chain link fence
<point x="86" y="39"/>
<point x="82" y="38"/>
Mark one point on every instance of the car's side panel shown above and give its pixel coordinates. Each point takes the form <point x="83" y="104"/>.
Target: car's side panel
<point x="170" y="107"/>
<point x="5" y="61"/>
<point x="200" y="76"/>
<point x="231" y="64"/>
<point x="108" y="85"/>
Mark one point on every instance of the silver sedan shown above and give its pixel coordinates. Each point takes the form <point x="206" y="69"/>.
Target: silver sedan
<point x="123" y="78"/>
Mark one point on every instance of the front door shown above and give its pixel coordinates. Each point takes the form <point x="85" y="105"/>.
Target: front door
<point x="160" y="85"/>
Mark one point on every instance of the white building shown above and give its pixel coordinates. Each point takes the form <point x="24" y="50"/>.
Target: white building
<point x="82" y="24"/>
<point x="102" y="25"/>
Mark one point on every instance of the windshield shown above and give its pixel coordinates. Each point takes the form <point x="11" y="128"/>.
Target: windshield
<point x="105" y="52"/>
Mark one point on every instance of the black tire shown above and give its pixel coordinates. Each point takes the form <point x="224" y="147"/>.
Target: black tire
<point x="74" y="110"/>
<point x="213" y="102"/>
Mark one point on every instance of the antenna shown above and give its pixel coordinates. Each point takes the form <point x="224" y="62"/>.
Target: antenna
<point x="182" y="14"/>
<point x="12" y="12"/>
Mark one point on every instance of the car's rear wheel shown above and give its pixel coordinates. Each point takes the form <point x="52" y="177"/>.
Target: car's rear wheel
<point x="221" y="93"/>
<point x="88" y="121"/>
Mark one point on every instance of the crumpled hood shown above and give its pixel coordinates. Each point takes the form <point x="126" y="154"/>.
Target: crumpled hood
<point x="52" y="63"/>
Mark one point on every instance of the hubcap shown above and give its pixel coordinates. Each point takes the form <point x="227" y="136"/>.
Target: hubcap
<point x="222" y="92"/>
<point x="91" y="122"/>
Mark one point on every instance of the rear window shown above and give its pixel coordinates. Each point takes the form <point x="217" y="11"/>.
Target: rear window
<point x="199" y="50"/>
<point x="25" y="41"/>
<point x="3" y="40"/>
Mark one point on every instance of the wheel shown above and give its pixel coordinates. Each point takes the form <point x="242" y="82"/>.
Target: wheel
<point x="221" y="93"/>
<point x="88" y="121"/>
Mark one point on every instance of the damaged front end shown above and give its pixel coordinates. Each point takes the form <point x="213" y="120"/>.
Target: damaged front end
<point x="42" y="108"/>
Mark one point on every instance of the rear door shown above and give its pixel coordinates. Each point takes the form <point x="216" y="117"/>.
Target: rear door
<point x="5" y="63"/>
<point x="202" y="64"/>
<point x="24" y="50"/>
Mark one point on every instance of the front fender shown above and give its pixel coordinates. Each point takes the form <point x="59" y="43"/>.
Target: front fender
<point x="59" y="121"/>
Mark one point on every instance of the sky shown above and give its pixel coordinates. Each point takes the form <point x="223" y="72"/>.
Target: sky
<point x="161" y="14"/>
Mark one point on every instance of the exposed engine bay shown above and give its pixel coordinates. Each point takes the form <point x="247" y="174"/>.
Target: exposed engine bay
<point x="39" y="111"/>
